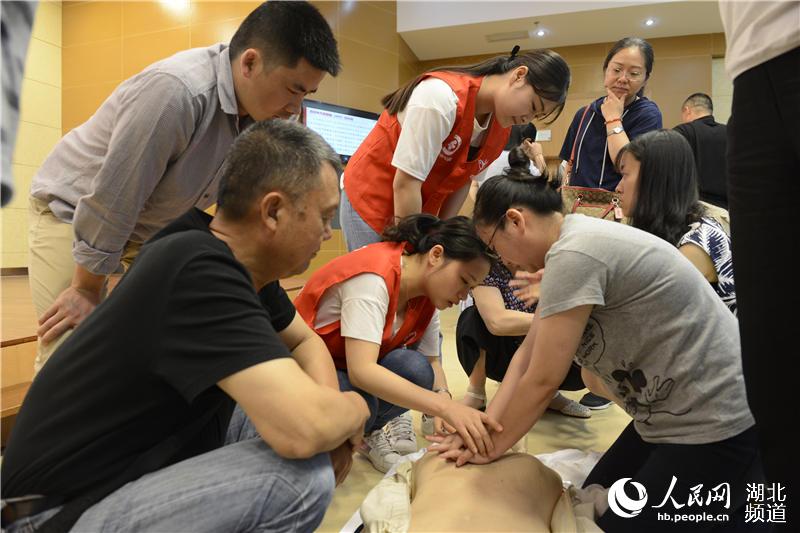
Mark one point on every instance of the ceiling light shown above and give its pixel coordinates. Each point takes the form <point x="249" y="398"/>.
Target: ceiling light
<point x="177" y="6"/>
<point x="649" y="22"/>
<point x="539" y="32"/>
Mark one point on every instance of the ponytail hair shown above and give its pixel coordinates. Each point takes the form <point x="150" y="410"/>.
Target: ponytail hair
<point x="518" y="159"/>
<point x="515" y="188"/>
<point x="423" y="231"/>
<point x="548" y="74"/>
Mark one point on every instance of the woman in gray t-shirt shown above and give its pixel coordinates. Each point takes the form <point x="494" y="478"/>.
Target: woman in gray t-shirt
<point x="648" y="331"/>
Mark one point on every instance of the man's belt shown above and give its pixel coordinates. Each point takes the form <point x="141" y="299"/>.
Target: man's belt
<point x="24" y="506"/>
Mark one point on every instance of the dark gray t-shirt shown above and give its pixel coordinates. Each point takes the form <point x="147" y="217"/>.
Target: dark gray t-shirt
<point x="658" y="336"/>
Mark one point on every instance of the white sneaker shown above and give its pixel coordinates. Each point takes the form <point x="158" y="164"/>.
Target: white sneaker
<point x="400" y="433"/>
<point x="427" y="425"/>
<point x="567" y="407"/>
<point x="376" y="448"/>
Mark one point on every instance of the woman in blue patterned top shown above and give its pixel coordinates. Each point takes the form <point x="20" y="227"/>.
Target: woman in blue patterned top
<point x="489" y="332"/>
<point x="659" y="195"/>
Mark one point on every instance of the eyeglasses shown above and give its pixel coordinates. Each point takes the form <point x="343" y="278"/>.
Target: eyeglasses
<point x="489" y="244"/>
<point x="542" y="112"/>
<point x="632" y="75"/>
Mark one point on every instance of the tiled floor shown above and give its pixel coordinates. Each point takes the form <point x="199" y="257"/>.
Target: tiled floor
<point x="553" y="432"/>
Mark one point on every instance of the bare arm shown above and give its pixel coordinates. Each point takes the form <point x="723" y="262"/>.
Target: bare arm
<point x="366" y="374"/>
<point x="499" y="320"/>
<point x="701" y="260"/>
<point x="534" y="152"/>
<point x="516" y="369"/>
<point x="469" y="202"/>
<point x="612" y="109"/>
<point x="310" y="352"/>
<point x="407" y="194"/>
<point x="616" y="142"/>
<point x="454" y="202"/>
<point x="557" y="340"/>
<point x="295" y="416"/>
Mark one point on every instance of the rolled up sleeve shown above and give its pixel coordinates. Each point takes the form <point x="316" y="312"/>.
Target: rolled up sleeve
<point x="153" y="127"/>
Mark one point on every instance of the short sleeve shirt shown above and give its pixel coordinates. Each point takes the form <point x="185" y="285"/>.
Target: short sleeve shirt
<point x="709" y="236"/>
<point x="145" y="363"/>
<point x="658" y="335"/>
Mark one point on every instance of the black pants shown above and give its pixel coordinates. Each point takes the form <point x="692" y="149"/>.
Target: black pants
<point x="472" y="336"/>
<point x="735" y="461"/>
<point x="764" y="196"/>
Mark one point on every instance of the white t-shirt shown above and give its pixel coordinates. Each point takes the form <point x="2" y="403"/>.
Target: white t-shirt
<point x="756" y="32"/>
<point x="361" y="304"/>
<point x="426" y="121"/>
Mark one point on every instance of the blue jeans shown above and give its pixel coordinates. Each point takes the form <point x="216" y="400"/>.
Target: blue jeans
<point x="357" y="233"/>
<point x="242" y="486"/>
<point x="408" y="364"/>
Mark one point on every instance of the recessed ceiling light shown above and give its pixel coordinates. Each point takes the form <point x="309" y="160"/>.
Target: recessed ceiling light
<point x="649" y="22"/>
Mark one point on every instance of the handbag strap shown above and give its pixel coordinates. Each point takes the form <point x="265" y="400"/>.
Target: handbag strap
<point x="568" y="173"/>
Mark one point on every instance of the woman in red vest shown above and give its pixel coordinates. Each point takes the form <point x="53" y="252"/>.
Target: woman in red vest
<point x="375" y="310"/>
<point x="441" y="130"/>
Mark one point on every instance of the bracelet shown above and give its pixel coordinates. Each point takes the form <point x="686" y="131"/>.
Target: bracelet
<point x="443" y="390"/>
<point x="613" y="120"/>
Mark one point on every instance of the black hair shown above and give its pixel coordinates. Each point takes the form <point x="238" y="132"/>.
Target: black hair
<point x="515" y="188"/>
<point x="272" y="155"/>
<point x="518" y="159"/>
<point x="667" y="198"/>
<point x="548" y="74"/>
<point x="520" y="132"/>
<point x="284" y="32"/>
<point x="423" y="231"/>
<point x="700" y="100"/>
<point x="644" y="47"/>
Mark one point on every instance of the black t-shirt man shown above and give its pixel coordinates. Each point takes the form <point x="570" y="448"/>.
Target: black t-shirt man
<point x="144" y="364"/>
<point x="709" y="141"/>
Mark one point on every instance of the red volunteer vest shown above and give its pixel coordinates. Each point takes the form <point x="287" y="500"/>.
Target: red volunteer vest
<point x="383" y="259"/>
<point x="369" y="175"/>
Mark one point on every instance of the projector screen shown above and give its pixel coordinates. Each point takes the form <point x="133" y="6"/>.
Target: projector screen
<point x="342" y="127"/>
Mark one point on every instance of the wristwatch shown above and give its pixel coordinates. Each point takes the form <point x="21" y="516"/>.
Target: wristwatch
<point x="615" y="130"/>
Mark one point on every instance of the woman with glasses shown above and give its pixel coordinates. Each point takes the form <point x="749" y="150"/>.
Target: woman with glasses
<point x="441" y="130"/>
<point x="648" y="330"/>
<point x="599" y="130"/>
<point x="490" y="331"/>
<point x="436" y="133"/>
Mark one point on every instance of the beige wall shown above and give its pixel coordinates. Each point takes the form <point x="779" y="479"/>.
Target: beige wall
<point x="683" y="65"/>
<point x="39" y="127"/>
<point x="105" y="43"/>
<point x="721" y="90"/>
<point x="80" y="52"/>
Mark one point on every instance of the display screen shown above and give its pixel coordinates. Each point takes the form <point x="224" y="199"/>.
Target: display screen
<point x="342" y="127"/>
